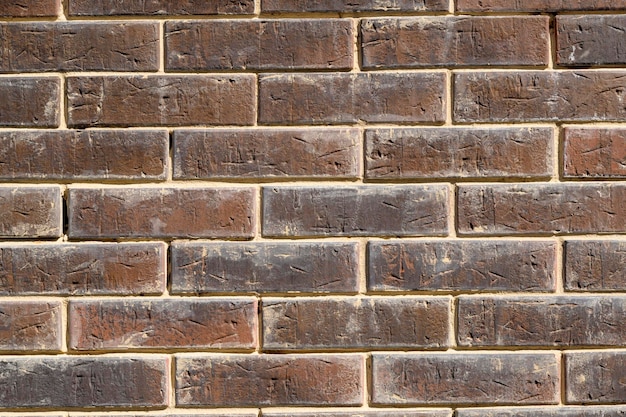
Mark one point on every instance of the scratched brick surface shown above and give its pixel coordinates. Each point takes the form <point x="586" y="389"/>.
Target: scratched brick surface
<point x="30" y="8"/>
<point x="30" y="102"/>
<point x="595" y="265"/>
<point x="538" y="5"/>
<point x="359" y="5"/>
<point x="30" y="326"/>
<point x="159" y="7"/>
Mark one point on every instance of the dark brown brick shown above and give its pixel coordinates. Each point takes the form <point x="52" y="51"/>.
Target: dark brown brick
<point x="464" y="153"/>
<point x="467" y="265"/>
<point x="349" y="98"/>
<point x="541" y="208"/>
<point x="61" y="382"/>
<point x="594" y="153"/>
<point x="162" y="323"/>
<point x="283" y="44"/>
<point x="414" y="42"/>
<point x="587" y="411"/>
<point x="162" y="212"/>
<point x="538" y="5"/>
<point x="364" y="413"/>
<point x="269" y="380"/>
<point x="161" y="100"/>
<point x="355" y="6"/>
<point x="541" y="321"/>
<point x="30" y="325"/>
<point x="159" y="7"/>
<point x="261" y="153"/>
<point x="29" y="211"/>
<point x="72" y="46"/>
<point x="362" y="323"/>
<point x="84" y="155"/>
<point x="407" y="210"/>
<point x="30" y="8"/>
<point x="595" y="377"/>
<point x="83" y="269"/>
<point x="590" y="40"/>
<point x="527" y="96"/>
<point x="30" y="102"/>
<point x="264" y="267"/>
<point x="465" y="378"/>
<point x="595" y="265"/>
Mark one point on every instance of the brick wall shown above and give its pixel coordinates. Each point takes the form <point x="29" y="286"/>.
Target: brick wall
<point x="313" y="208"/>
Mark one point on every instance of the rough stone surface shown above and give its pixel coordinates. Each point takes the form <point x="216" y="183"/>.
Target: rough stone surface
<point x="30" y="325"/>
<point x="159" y="7"/>
<point x="30" y="212"/>
<point x="595" y="377"/>
<point x="30" y="102"/>
<point x="595" y="265"/>
<point x="594" y="153"/>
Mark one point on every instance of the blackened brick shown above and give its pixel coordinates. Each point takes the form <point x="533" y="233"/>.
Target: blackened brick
<point x="30" y="211"/>
<point x="587" y="411"/>
<point x="30" y="102"/>
<point x="595" y="265"/>
<point x="159" y="7"/>
<point x="595" y="377"/>
<point x="364" y="413"/>
<point x="590" y="40"/>
<point x="538" y="5"/>
<point x="30" y="325"/>
<point x="357" y="6"/>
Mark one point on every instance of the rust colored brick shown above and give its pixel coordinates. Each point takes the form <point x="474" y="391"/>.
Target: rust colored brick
<point x="594" y="153"/>
<point x="30" y="325"/>
<point x="538" y="5"/>
<point x="590" y="40"/>
<point x="30" y="8"/>
<point x="29" y="211"/>
<point x="587" y="411"/>
<point x="354" y="6"/>
<point x="595" y="265"/>
<point x="159" y="7"/>
<point x="595" y="377"/>
<point x="30" y="102"/>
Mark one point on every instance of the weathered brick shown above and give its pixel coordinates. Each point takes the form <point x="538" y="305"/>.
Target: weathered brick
<point x="30" y="8"/>
<point x="30" y="325"/>
<point x="264" y="267"/>
<point x="283" y="44"/>
<point x="541" y="208"/>
<point x="590" y="40"/>
<point x="525" y="96"/>
<point x="29" y="211"/>
<point x="162" y="323"/>
<point x="320" y="98"/>
<point x="84" y="155"/>
<point x="261" y="153"/>
<point x="159" y="7"/>
<point x="465" y="378"/>
<point x="365" y="413"/>
<point x="355" y="6"/>
<point x="73" y="46"/>
<point x="541" y="321"/>
<point x="595" y="377"/>
<point x="465" y="265"/>
<point x="362" y="323"/>
<point x="617" y="411"/>
<point x="30" y="102"/>
<point x="452" y="152"/>
<point x="84" y="382"/>
<point x="161" y="100"/>
<point x="269" y="380"/>
<point x="594" y="153"/>
<point x="414" y="42"/>
<point x="538" y="5"/>
<point x="406" y="210"/>
<point x="595" y="265"/>
<point x="162" y="212"/>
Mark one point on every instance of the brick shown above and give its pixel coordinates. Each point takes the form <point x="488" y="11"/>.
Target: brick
<point x="434" y="41"/>
<point x="355" y="323"/>
<point x="269" y="380"/>
<point x="590" y="40"/>
<point x="465" y="265"/>
<point x="595" y="377"/>
<point x="320" y="98"/>
<point x="284" y="44"/>
<point x="264" y="267"/>
<point x="541" y="321"/>
<point x="84" y="382"/>
<point x="171" y="414"/>
<point x="159" y="7"/>
<point x="72" y="46"/>
<point x="426" y="153"/>
<point x="263" y="153"/>
<point x="30" y="211"/>
<point x="162" y="323"/>
<point x="161" y="100"/>
<point x="594" y="153"/>
<point x="535" y="6"/>
<point x="595" y="265"/>
<point x="365" y="413"/>
<point x="541" y="208"/>
<point x="355" y="6"/>
<point x="84" y="155"/>
<point x="527" y="96"/>
<point x="465" y="378"/>
<point x="407" y="210"/>
<point x="162" y="212"/>
<point x="30" y="8"/>
<point x="30" y="102"/>
<point x="30" y="325"/>
<point x="586" y="411"/>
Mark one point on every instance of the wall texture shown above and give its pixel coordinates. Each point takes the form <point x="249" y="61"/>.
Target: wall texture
<point x="310" y="208"/>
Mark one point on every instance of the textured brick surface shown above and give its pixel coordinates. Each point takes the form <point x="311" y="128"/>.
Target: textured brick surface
<point x="159" y="7"/>
<point x="571" y="411"/>
<point x="33" y="212"/>
<point x="30" y="102"/>
<point x="359" y="5"/>
<point x="595" y="265"/>
<point x="538" y="5"/>
<point x="595" y="377"/>
<point x="29" y="8"/>
<point x="365" y="413"/>
<point x="30" y="325"/>
<point x="594" y="153"/>
<point x="587" y="40"/>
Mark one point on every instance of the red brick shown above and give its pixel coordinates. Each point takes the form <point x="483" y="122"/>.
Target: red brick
<point x="30" y="325"/>
<point x="595" y="377"/>
<point x="355" y="323"/>
<point x="594" y="153"/>
<point x="320" y="98"/>
<point x="541" y="208"/>
<point x="465" y="378"/>
<point x="535" y="6"/>
<point x="62" y="382"/>
<point x="464" y="153"/>
<point x="414" y="42"/>
<point x="269" y="380"/>
<point x="590" y="40"/>
<point x="161" y="100"/>
<point x="284" y="44"/>
<point x="595" y="265"/>
<point x="159" y="7"/>
<point x="364" y="413"/>
<point x="541" y="321"/>
<point x="263" y="153"/>
<point x="465" y="265"/>
<point x="264" y="267"/>
<point x="356" y="6"/>
<point x="570" y="411"/>
<point x="30" y="102"/>
<point x="406" y="210"/>
<point x="162" y="323"/>
<point x="29" y="211"/>
<point x="84" y="155"/>
<point x="30" y="8"/>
